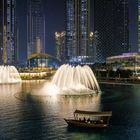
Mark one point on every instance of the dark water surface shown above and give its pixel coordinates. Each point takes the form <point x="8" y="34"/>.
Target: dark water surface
<point x="24" y="116"/>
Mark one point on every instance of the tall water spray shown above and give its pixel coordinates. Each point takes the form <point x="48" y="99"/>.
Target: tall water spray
<point x="73" y="80"/>
<point x="9" y="75"/>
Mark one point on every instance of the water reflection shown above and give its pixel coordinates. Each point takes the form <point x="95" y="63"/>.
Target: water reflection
<point x="65" y="104"/>
<point x="30" y="85"/>
<point x="43" y="115"/>
<point x="29" y="116"/>
<point x="10" y="88"/>
<point x="31" y="120"/>
<point x="82" y="133"/>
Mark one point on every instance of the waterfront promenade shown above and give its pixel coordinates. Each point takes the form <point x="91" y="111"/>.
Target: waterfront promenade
<point x="122" y="81"/>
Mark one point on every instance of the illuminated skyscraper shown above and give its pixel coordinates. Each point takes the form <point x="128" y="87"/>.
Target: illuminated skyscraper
<point x="77" y="27"/>
<point x="60" y="45"/>
<point x="35" y="27"/>
<point x="1" y="30"/>
<point x="111" y="23"/>
<point x="139" y="25"/>
<point x="91" y="41"/>
<point x="8" y="45"/>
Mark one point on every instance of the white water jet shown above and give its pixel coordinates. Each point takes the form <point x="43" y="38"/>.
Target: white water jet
<point x="9" y="75"/>
<point x="72" y="80"/>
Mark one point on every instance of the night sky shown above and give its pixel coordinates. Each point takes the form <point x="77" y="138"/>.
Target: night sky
<point x="133" y="17"/>
<point x="54" y="14"/>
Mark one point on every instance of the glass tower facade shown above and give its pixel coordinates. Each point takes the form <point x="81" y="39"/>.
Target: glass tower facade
<point x="35" y="27"/>
<point x="77" y="27"/>
<point x="60" y="45"/>
<point x="139" y="25"/>
<point x="8" y="32"/>
<point x="111" y="23"/>
<point x="1" y="30"/>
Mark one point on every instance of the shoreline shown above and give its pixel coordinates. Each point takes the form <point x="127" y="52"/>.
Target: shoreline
<point x="122" y="81"/>
<point x="119" y="82"/>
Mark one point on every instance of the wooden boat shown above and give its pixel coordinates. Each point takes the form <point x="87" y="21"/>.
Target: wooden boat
<point x="90" y="119"/>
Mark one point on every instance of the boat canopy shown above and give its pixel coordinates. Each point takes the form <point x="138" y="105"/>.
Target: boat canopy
<point x="90" y="113"/>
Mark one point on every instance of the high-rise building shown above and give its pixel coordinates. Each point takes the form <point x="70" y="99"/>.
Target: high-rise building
<point x="35" y="27"/>
<point x="138" y="25"/>
<point x="8" y="43"/>
<point x="91" y="46"/>
<point x="60" y="45"/>
<point x="97" y="51"/>
<point x="1" y="30"/>
<point x="77" y="27"/>
<point x="111" y="23"/>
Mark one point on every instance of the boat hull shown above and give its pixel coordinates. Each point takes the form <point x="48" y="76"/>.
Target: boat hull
<point x="76" y="123"/>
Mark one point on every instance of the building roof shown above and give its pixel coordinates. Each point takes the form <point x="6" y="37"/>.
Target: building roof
<point x="124" y="55"/>
<point x="105" y="113"/>
<point x="40" y="54"/>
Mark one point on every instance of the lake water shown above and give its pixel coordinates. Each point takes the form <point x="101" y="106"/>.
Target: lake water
<point x="24" y="116"/>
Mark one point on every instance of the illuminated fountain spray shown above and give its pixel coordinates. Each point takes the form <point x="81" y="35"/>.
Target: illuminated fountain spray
<point x="73" y="80"/>
<point x="9" y="75"/>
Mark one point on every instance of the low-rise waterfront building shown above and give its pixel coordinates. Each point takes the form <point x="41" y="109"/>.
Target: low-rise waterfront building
<point x="41" y="61"/>
<point x="126" y="61"/>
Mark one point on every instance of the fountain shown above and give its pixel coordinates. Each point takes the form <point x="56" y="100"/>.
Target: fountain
<point x="72" y="80"/>
<point x="9" y="75"/>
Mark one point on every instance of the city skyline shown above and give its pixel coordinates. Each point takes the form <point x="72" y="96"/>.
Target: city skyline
<point x="139" y="26"/>
<point x="112" y="24"/>
<point x="35" y="27"/>
<point x="77" y="27"/>
<point x="8" y="32"/>
<point x="60" y="45"/>
<point x="55" y="23"/>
